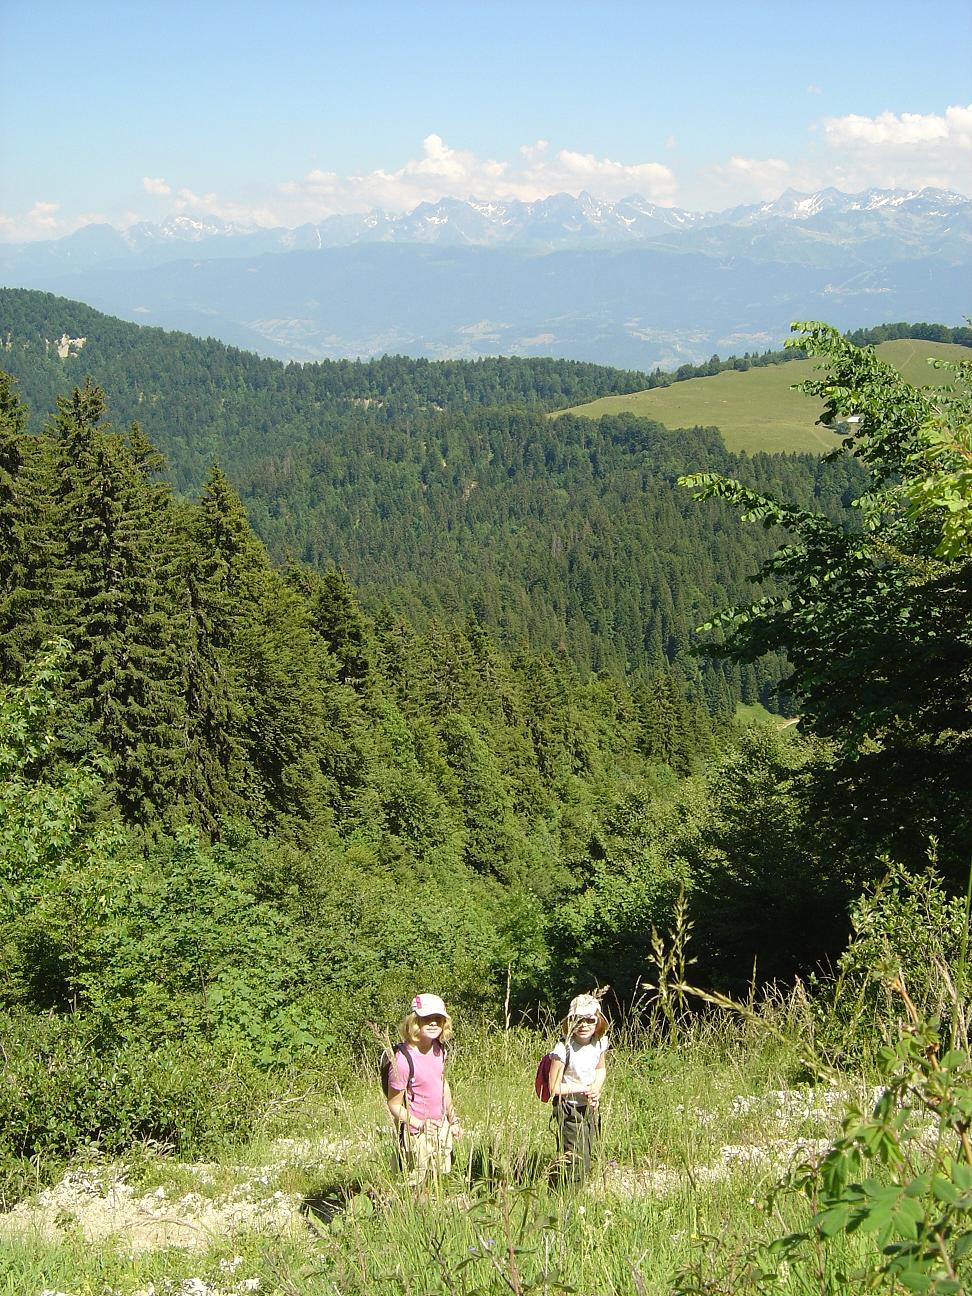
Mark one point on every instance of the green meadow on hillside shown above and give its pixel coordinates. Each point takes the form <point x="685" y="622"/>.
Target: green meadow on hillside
<point x="759" y="410"/>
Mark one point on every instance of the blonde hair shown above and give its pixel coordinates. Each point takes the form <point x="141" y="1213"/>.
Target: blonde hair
<point x="412" y="1024"/>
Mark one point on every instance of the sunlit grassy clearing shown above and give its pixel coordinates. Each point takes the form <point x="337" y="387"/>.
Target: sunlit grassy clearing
<point x="758" y="410"/>
<point x="695" y="1132"/>
<point x="755" y="713"/>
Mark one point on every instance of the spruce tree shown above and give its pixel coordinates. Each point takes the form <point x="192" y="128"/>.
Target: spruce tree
<point x="24" y="541"/>
<point x="222" y="567"/>
<point x="286" y="749"/>
<point x="210" y="710"/>
<point x="114" y="597"/>
<point x="343" y="626"/>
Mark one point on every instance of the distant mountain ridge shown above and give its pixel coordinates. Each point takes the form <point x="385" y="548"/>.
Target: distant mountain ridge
<point x="628" y="283"/>
<point x="558" y="221"/>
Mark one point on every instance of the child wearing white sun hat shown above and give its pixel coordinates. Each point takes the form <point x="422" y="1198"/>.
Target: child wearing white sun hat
<point x="578" y="1071"/>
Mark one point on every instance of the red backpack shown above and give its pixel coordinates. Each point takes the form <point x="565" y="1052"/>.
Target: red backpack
<point x="542" y="1082"/>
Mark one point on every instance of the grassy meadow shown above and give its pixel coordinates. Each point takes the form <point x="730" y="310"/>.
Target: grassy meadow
<point x="758" y="410"/>
<point x="697" y="1130"/>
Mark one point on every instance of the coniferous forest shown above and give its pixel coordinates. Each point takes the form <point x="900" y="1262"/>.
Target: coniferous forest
<point x="287" y="652"/>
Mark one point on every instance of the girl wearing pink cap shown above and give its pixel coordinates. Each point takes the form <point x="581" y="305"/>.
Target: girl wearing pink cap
<point x="577" y="1075"/>
<point x="419" y="1097"/>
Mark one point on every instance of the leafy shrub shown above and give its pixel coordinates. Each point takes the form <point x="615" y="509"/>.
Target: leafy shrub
<point x="907" y="931"/>
<point x="60" y="1089"/>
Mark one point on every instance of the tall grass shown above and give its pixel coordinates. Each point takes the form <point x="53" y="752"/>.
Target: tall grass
<point x="693" y="1139"/>
<point x="729" y="1134"/>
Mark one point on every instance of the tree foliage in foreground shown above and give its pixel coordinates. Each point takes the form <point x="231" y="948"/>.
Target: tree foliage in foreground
<point x="876" y="621"/>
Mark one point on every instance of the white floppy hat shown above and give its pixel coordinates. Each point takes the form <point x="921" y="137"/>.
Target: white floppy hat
<point x="429" y="1005"/>
<point x="584" y="1005"/>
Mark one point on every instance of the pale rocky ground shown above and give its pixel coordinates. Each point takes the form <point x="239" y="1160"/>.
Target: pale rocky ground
<point x="94" y="1203"/>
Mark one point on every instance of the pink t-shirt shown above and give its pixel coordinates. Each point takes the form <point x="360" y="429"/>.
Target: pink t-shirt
<point x="426" y="1097"/>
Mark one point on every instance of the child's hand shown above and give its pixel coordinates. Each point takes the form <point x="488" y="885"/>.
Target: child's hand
<point x="457" y="1130"/>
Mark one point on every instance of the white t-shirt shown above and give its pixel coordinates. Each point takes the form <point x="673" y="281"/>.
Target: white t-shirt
<point x="581" y="1061"/>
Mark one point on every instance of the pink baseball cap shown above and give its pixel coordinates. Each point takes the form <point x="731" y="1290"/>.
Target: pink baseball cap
<point x="428" y="1005"/>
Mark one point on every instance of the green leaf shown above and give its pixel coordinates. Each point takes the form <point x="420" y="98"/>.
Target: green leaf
<point x="909" y="1217"/>
<point x="915" y="1281"/>
<point x="878" y="1220"/>
<point x="834" y="1219"/>
<point x="945" y="1191"/>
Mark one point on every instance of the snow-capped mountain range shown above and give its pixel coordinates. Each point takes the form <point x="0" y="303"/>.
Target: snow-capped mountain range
<point x="560" y="221"/>
<point x="628" y="283"/>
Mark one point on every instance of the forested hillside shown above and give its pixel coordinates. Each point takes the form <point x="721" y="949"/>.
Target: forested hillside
<point x="194" y="740"/>
<point x="442" y="490"/>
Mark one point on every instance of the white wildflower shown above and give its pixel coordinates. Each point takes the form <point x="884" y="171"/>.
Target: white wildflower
<point x="194" y="1287"/>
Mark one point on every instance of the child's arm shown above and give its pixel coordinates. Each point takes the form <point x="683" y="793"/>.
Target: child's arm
<point x="600" y="1075"/>
<point x="397" y="1106"/>
<point x="554" y="1077"/>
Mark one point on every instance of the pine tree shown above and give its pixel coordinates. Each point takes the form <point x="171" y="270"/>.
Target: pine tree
<point x="24" y="542"/>
<point x="343" y="626"/>
<point x="209" y="713"/>
<point x="234" y="558"/>
<point x="277" y="728"/>
<point x="668" y="724"/>
<point x="222" y="567"/>
<point x="114" y="594"/>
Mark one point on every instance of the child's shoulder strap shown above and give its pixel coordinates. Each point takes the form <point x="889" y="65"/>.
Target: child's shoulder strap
<point x="402" y="1048"/>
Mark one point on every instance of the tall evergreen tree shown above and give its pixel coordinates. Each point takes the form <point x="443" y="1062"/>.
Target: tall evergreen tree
<point x="210" y="709"/>
<point x="115" y="599"/>
<point x="343" y="627"/>
<point x="24" y="541"/>
<point x="287" y="751"/>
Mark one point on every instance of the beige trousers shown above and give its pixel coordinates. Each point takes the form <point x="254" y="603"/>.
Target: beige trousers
<point x="427" y="1154"/>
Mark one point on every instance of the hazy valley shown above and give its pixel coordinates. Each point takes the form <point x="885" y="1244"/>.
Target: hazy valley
<point x="629" y="284"/>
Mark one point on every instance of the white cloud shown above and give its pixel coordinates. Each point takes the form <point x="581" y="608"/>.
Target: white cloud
<point x="890" y="130"/>
<point x="235" y="212"/>
<point x="814" y="89"/>
<point x="901" y="150"/>
<point x="40" y="222"/>
<point x="743" y="179"/>
<point x="441" y="171"/>
<point x="160" y="187"/>
<point x="853" y="153"/>
<point x="609" y="179"/>
<point x="534" y="150"/>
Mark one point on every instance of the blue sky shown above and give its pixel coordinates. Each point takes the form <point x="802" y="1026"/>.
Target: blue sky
<point x="278" y="113"/>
